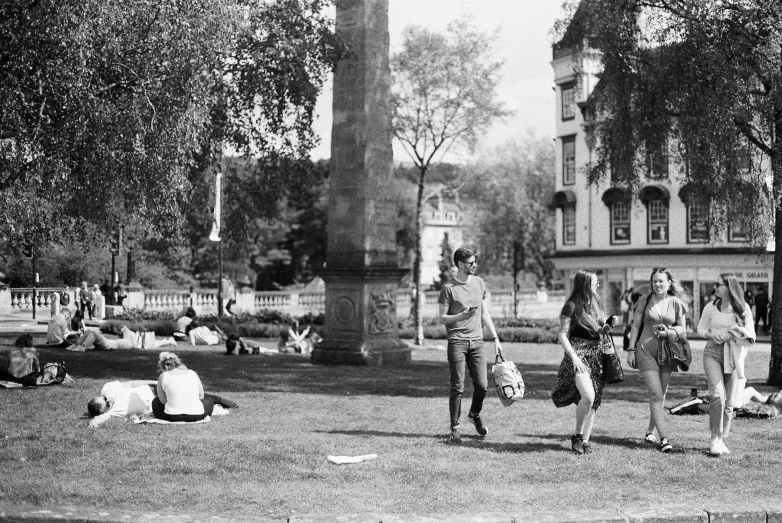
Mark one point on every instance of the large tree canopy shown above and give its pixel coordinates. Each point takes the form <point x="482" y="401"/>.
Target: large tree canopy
<point x="444" y="94"/>
<point x="708" y="76"/>
<point x="106" y="106"/>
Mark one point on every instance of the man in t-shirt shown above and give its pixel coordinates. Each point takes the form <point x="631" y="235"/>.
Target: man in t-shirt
<point x="463" y="310"/>
<point x="57" y="331"/>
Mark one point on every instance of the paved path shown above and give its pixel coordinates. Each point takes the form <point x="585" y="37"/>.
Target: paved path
<point x="735" y="513"/>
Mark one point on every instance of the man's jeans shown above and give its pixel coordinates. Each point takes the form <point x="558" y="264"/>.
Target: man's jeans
<point x="469" y="353"/>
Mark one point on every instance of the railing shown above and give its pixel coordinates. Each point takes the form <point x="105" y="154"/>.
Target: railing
<point x="297" y="303"/>
<point x="22" y="298"/>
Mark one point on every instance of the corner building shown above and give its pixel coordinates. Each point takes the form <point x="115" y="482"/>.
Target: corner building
<point x="622" y="238"/>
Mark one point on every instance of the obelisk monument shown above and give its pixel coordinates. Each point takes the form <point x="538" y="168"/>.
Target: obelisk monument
<point x="362" y="274"/>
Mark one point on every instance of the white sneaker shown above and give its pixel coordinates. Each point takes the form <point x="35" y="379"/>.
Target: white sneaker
<point x="716" y="448"/>
<point x="724" y="448"/>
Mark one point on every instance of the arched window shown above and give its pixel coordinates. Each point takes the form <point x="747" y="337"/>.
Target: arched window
<point x="566" y="200"/>
<point x="697" y="215"/>
<point x="656" y="200"/>
<point x="618" y="204"/>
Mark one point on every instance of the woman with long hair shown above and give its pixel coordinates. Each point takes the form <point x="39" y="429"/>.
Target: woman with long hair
<point x="580" y="379"/>
<point x="658" y="315"/>
<point x="722" y="321"/>
<point x="180" y="394"/>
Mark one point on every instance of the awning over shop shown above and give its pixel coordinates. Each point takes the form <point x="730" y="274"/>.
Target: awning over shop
<point x="563" y="198"/>
<point x="654" y="192"/>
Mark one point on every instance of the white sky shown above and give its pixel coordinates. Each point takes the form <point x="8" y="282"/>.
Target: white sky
<point x="524" y="43"/>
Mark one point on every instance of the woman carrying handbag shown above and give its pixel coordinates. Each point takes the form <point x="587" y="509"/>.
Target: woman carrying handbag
<point x="580" y="379"/>
<point x="658" y="315"/>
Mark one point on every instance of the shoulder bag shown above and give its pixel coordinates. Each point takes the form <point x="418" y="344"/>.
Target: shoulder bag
<point x="612" y="365"/>
<point x="507" y="380"/>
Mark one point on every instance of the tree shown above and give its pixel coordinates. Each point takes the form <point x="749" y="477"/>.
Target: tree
<point x="444" y="95"/>
<point x="445" y="263"/>
<point x="107" y="106"/>
<point x="511" y="191"/>
<point x="708" y="75"/>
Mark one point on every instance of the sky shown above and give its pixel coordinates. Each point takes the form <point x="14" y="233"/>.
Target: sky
<point x="524" y="43"/>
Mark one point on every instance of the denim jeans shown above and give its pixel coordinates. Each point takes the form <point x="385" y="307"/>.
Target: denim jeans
<point x="467" y="353"/>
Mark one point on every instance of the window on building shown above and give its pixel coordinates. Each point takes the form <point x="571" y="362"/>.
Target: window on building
<point x="657" y="213"/>
<point x="450" y="216"/>
<point x="658" y="161"/>
<point x="620" y="223"/>
<point x="743" y="160"/>
<point x="569" y="160"/>
<point x="697" y="223"/>
<point x="569" y="224"/>
<point x="568" y="101"/>
<point x="738" y="229"/>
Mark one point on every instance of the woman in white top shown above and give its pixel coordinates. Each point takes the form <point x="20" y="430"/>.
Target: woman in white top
<point x="180" y="395"/>
<point x="720" y="321"/>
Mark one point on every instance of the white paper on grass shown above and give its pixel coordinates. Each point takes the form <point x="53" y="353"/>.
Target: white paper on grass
<point x="342" y="460"/>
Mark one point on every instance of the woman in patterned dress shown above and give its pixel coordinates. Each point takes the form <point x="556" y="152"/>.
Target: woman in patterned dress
<point x="658" y="315"/>
<point x="580" y="379"/>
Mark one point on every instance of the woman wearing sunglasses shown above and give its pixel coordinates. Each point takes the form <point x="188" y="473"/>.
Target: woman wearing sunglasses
<point x="658" y="315"/>
<point x="725" y="322"/>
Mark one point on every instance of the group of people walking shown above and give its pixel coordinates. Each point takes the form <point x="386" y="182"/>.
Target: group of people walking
<point x="726" y="324"/>
<point x="584" y="334"/>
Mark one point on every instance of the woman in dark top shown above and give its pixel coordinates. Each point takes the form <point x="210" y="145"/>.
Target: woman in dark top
<point x="580" y="379"/>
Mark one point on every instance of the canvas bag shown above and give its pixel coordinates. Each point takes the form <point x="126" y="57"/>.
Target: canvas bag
<point x="507" y="380"/>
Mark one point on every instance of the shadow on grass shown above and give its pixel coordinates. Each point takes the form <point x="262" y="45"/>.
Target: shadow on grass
<point x="291" y="373"/>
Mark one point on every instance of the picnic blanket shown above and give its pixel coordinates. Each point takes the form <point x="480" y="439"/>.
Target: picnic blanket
<point x="149" y="418"/>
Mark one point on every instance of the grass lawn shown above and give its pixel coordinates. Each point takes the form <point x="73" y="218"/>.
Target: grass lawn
<point x="268" y="458"/>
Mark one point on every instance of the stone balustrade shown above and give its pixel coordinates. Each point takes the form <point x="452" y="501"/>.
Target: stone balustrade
<point x="295" y="303"/>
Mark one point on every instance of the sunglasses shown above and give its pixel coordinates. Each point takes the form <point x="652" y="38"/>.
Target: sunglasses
<point x="720" y="283"/>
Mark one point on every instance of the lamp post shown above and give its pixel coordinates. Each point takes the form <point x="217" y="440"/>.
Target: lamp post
<point x="116" y="248"/>
<point x="131" y="268"/>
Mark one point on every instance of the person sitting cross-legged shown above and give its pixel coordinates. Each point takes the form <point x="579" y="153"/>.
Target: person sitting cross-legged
<point x="180" y="394"/>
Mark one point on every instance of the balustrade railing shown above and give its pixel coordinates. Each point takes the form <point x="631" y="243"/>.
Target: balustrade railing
<point x="22" y="298"/>
<point x="528" y="304"/>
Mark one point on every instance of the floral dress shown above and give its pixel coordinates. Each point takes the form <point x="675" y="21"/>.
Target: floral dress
<point x="589" y="348"/>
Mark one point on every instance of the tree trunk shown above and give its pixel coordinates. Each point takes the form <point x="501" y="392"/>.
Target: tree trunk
<point x="775" y="362"/>
<point x="419" y="297"/>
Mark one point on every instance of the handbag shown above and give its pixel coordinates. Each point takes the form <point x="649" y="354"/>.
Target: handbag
<point x="612" y="365"/>
<point x="507" y="380"/>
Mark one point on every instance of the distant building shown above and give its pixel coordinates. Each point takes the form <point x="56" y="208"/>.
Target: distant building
<point x="441" y="215"/>
<point x="602" y="229"/>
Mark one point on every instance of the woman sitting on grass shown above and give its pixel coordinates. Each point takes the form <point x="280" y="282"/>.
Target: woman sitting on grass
<point x="130" y="398"/>
<point x="180" y="395"/>
<point x="185" y="323"/>
<point x="580" y="379"/>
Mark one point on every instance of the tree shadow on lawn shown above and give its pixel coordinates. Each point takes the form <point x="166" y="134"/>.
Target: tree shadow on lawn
<point x="292" y="373"/>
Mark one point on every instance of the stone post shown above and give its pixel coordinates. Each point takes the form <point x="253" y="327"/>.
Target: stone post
<point x="362" y="274"/>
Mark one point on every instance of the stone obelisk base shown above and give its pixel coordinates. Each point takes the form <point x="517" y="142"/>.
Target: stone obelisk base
<point x="361" y="326"/>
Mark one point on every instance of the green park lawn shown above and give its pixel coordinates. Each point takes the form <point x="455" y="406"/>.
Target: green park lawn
<point x="268" y="457"/>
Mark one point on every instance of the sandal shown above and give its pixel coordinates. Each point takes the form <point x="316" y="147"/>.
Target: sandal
<point x="650" y="438"/>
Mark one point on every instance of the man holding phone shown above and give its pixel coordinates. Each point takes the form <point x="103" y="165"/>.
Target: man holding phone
<point x="464" y="310"/>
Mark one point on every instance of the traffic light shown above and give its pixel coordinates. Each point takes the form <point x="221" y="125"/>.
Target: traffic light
<point x="28" y="249"/>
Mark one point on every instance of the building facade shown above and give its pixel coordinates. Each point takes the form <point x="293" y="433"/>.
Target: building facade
<point x="442" y="215"/>
<point x="622" y="238"/>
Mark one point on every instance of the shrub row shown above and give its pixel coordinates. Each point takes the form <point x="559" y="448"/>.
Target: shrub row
<point x="506" y="334"/>
<point x="263" y="316"/>
<point x="168" y="327"/>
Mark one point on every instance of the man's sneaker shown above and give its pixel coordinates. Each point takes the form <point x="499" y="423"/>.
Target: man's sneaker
<point x="577" y="443"/>
<point x="479" y="426"/>
<point x="650" y="438"/>
<point x="665" y="446"/>
<point x="455" y="438"/>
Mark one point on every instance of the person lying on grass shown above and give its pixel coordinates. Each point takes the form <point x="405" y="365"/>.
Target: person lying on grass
<point x="233" y="340"/>
<point x="123" y="399"/>
<point x="95" y="340"/>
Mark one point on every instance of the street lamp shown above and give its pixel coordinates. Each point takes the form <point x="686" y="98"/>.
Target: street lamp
<point x="116" y="248"/>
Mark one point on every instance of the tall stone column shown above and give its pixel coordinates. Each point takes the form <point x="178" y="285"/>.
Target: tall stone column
<point x="362" y="274"/>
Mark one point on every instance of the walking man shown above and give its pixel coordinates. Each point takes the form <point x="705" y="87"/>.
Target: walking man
<point x="761" y="310"/>
<point x="463" y="310"/>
